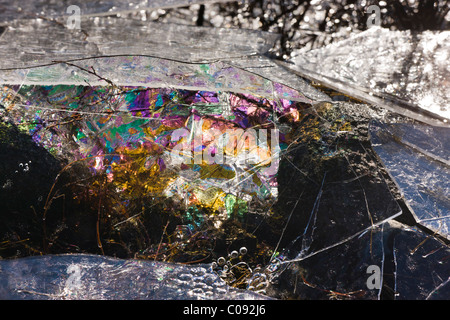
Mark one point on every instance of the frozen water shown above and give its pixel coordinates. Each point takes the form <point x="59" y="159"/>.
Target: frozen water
<point x="18" y="10"/>
<point x="79" y="276"/>
<point x="340" y="272"/>
<point x="131" y="52"/>
<point x="417" y="158"/>
<point x="421" y="269"/>
<point x="337" y="226"/>
<point x="403" y="71"/>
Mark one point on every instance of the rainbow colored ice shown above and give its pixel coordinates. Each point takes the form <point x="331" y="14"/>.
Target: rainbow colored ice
<point x="123" y="131"/>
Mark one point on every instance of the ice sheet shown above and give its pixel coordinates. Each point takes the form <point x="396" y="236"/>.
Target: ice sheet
<point x="87" y="277"/>
<point x="403" y="71"/>
<point x="347" y="199"/>
<point x="416" y="156"/>
<point x="390" y="261"/>
<point x="112" y="63"/>
<point x="185" y="48"/>
<point x="342" y="272"/>
<point x="110" y="36"/>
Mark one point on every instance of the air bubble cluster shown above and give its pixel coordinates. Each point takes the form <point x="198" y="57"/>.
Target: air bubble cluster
<point x="236" y="272"/>
<point x="200" y="283"/>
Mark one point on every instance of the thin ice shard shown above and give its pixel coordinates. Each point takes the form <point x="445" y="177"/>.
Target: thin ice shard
<point x="416" y="156"/>
<point x="421" y="264"/>
<point x="402" y="71"/>
<point x="329" y="199"/>
<point x="342" y="272"/>
<point x="337" y="208"/>
<point x="409" y="264"/>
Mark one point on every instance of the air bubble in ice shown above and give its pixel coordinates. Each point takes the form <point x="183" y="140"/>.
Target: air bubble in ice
<point x="221" y="261"/>
<point x="185" y="276"/>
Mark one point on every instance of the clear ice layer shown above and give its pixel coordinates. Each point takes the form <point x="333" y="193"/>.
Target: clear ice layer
<point x="93" y="277"/>
<point x="390" y="261"/>
<point x="421" y="264"/>
<point x="132" y="53"/>
<point x="402" y="71"/>
<point x="416" y="156"/>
